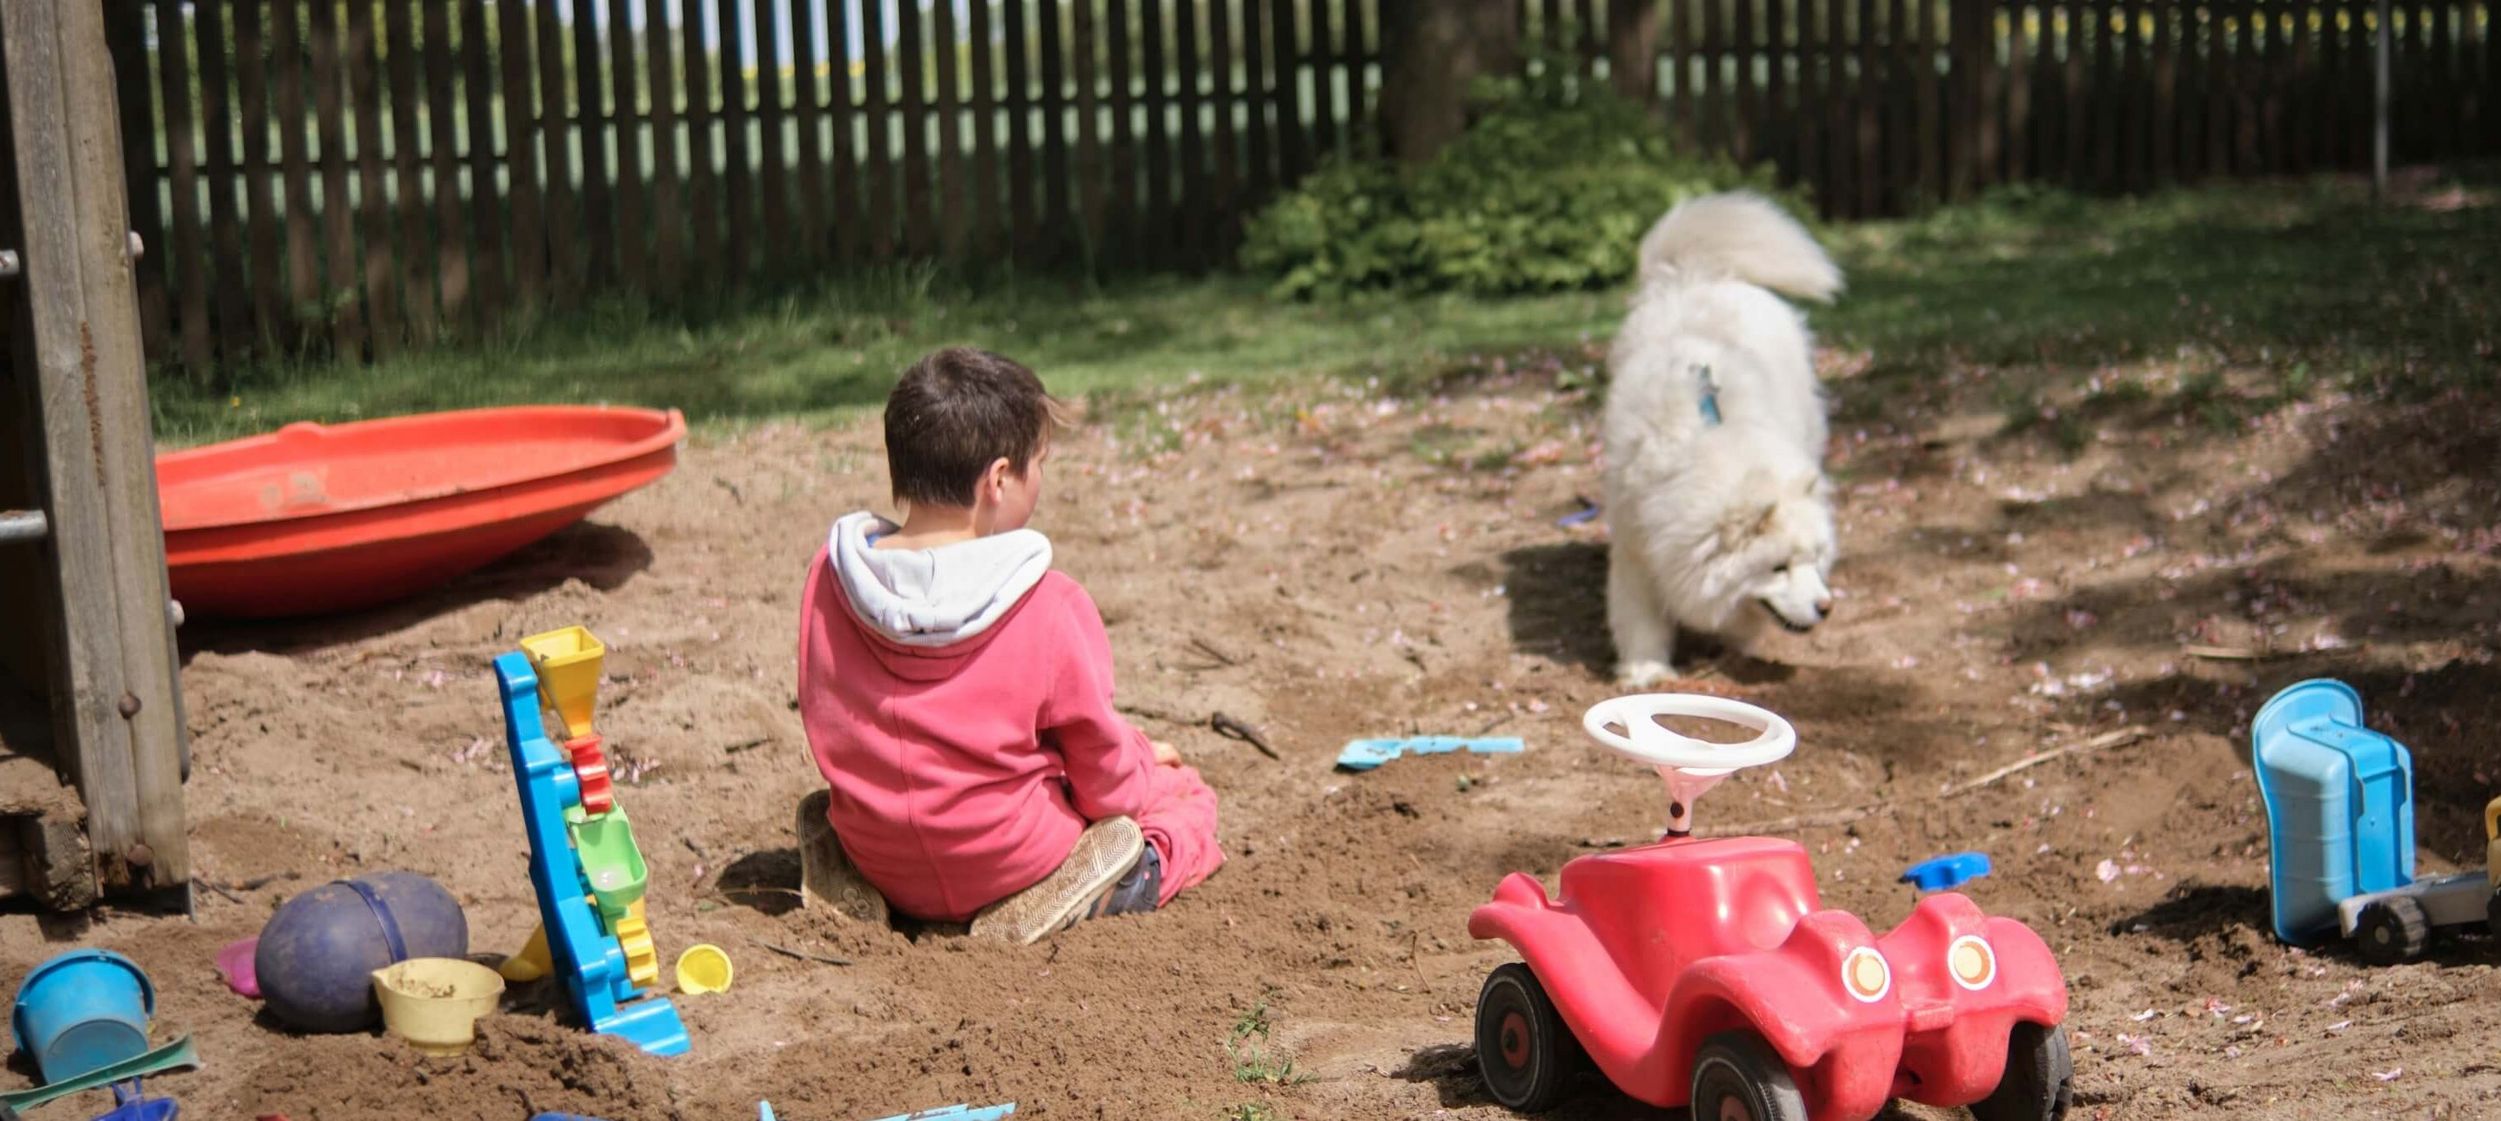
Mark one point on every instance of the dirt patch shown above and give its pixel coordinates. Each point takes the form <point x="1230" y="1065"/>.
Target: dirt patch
<point x="1328" y="565"/>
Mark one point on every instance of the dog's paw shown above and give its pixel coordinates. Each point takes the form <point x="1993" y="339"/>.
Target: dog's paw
<point x="1643" y="673"/>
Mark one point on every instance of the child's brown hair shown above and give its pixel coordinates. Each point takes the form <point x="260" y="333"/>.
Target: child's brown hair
<point x="957" y="410"/>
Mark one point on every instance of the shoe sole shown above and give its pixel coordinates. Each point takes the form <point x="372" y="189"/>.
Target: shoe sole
<point x="1105" y="852"/>
<point x="825" y="873"/>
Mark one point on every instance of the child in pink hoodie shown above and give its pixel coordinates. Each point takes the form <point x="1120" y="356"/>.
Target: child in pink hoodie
<point x="958" y="693"/>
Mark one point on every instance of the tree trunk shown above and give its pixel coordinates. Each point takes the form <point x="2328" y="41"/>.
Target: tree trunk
<point x="1434" y="50"/>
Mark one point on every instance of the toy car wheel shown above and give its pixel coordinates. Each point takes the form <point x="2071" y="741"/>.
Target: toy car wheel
<point x="1523" y="1046"/>
<point x="1738" y="1077"/>
<point x="2392" y="930"/>
<point x="2039" y="1083"/>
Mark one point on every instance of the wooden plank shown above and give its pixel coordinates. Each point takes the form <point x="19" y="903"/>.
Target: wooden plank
<point x="668" y="212"/>
<point x="294" y="144"/>
<point x="225" y="227"/>
<point x="1749" y="93"/>
<point x="126" y="33"/>
<point x="1711" y="83"/>
<point x="2271" y="142"/>
<point x="1929" y="112"/>
<point x="2166" y="94"/>
<point x="1260" y="171"/>
<point x="2300" y="100"/>
<point x="1057" y="210"/>
<point x="1811" y="83"/>
<point x="633" y="232"/>
<point x="451" y="244"/>
<point x="1900" y="104"/>
<point x="2442" y="76"/>
<point x="1195" y="216"/>
<point x="1086" y="37"/>
<point x="2249" y="81"/>
<point x="2221" y="123"/>
<point x="1779" y="130"/>
<point x="1585" y="21"/>
<point x="1868" y="159"/>
<point x="2074" y="168"/>
<point x="373" y="181"/>
<point x="1224" y="192"/>
<point x="1021" y="236"/>
<point x="1294" y="154"/>
<point x="591" y="128"/>
<point x="1684" y="109"/>
<point x="2019" y="135"/>
<point x="2332" y="126"/>
<point x="919" y="223"/>
<point x="1157" y="201"/>
<point x="1362" y="117"/>
<point x="738" y="190"/>
<point x="189" y="272"/>
<point x="776" y="247"/>
<point x="807" y="100"/>
<point x="877" y="165"/>
<point x="950" y="126"/>
<point x="1119" y="33"/>
<point x="988" y="218"/>
<point x="119" y="707"/>
<point x="486" y="201"/>
<point x="1841" y="127"/>
<point x="529" y="216"/>
<point x="1992" y="95"/>
<point x="704" y="221"/>
<point x="417" y="288"/>
<point x="339" y="292"/>
<point x="252" y="89"/>
<point x="568" y="263"/>
<point x="1323" y="58"/>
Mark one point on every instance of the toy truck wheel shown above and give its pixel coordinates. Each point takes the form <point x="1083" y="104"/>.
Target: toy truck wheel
<point x="1523" y="1046"/>
<point x="2039" y="1083"/>
<point x="1738" y="1077"/>
<point x="2392" y="930"/>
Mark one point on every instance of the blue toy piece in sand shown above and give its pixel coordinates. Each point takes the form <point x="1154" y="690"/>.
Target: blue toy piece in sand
<point x="1946" y="872"/>
<point x="129" y="1106"/>
<point x="317" y="954"/>
<point x="764" y="1112"/>
<point x="1363" y="755"/>
<point x="2340" y="806"/>
<point x="81" y="1011"/>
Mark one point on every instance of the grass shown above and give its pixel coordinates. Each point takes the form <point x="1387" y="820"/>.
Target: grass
<point x="2299" y="285"/>
<point x="1248" y="1048"/>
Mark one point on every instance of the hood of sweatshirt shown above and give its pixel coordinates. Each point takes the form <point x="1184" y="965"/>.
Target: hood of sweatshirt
<point x="927" y="600"/>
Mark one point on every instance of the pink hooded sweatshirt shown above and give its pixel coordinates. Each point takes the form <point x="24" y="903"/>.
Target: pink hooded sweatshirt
<point x="959" y="703"/>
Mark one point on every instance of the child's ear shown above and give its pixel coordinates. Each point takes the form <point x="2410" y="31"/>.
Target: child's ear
<point x="995" y="476"/>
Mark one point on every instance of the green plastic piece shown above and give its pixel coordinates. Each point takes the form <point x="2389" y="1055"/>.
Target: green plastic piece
<point x="173" y="1056"/>
<point x="611" y="865"/>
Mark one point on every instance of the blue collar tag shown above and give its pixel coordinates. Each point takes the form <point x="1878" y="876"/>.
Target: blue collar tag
<point x="1710" y="396"/>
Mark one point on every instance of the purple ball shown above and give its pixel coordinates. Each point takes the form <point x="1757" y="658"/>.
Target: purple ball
<point x="318" y="953"/>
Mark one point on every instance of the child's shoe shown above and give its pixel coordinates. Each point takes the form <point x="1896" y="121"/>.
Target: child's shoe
<point x="1108" y="850"/>
<point x="826" y="874"/>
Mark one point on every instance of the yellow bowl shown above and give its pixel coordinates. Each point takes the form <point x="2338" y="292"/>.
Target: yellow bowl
<point x="435" y="1003"/>
<point x="703" y="968"/>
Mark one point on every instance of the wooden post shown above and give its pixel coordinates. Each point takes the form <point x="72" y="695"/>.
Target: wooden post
<point x="116" y="700"/>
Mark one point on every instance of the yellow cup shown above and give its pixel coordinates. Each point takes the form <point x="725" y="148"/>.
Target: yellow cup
<point x="435" y="1003"/>
<point x="567" y="662"/>
<point x="703" y="968"/>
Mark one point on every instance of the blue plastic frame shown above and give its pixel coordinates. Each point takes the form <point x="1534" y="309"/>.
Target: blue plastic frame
<point x="585" y="955"/>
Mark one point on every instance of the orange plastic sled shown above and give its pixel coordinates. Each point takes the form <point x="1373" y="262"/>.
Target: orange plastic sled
<point x="313" y="518"/>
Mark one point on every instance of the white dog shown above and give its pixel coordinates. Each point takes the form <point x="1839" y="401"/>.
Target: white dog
<point x="1715" y="492"/>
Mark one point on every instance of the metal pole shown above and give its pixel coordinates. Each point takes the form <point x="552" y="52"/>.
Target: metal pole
<point x="2379" y="113"/>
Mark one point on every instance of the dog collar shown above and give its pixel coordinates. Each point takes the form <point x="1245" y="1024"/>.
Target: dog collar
<point x="1710" y="396"/>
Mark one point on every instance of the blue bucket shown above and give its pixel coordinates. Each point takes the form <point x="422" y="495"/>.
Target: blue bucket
<point x="82" y="1011"/>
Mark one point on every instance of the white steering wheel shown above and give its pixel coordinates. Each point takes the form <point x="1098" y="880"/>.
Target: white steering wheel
<point x="1645" y="741"/>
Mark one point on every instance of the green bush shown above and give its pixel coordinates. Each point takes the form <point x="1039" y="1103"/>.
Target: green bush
<point x="1550" y="189"/>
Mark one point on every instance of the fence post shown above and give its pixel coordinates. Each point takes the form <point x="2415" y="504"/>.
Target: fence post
<point x="118" y="704"/>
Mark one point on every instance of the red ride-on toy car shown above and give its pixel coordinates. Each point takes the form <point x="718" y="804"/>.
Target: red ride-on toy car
<point x="1704" y="971"/>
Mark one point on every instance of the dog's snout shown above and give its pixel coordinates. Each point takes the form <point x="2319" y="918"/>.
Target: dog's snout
<point x="1823" y="606"/>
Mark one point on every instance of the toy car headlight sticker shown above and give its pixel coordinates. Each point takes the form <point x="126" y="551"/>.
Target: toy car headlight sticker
<point x="1972" y="962"/>
<point x="1865" y="974"/>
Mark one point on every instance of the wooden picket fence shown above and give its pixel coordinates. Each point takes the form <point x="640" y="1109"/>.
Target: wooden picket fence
<point x="355" y="177"/>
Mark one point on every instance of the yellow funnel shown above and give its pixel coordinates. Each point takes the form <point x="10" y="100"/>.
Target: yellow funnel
<point x="435" y="1002"/>
<point x="703" y="968"/>
<point x="532" y="963"/>
<point x="567" y="663"/>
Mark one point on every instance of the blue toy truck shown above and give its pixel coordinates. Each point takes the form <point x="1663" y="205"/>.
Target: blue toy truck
<point x="2340" y="825"/>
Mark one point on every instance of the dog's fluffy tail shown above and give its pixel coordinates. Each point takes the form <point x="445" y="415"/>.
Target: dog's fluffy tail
<point x="1740" y="235"/>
